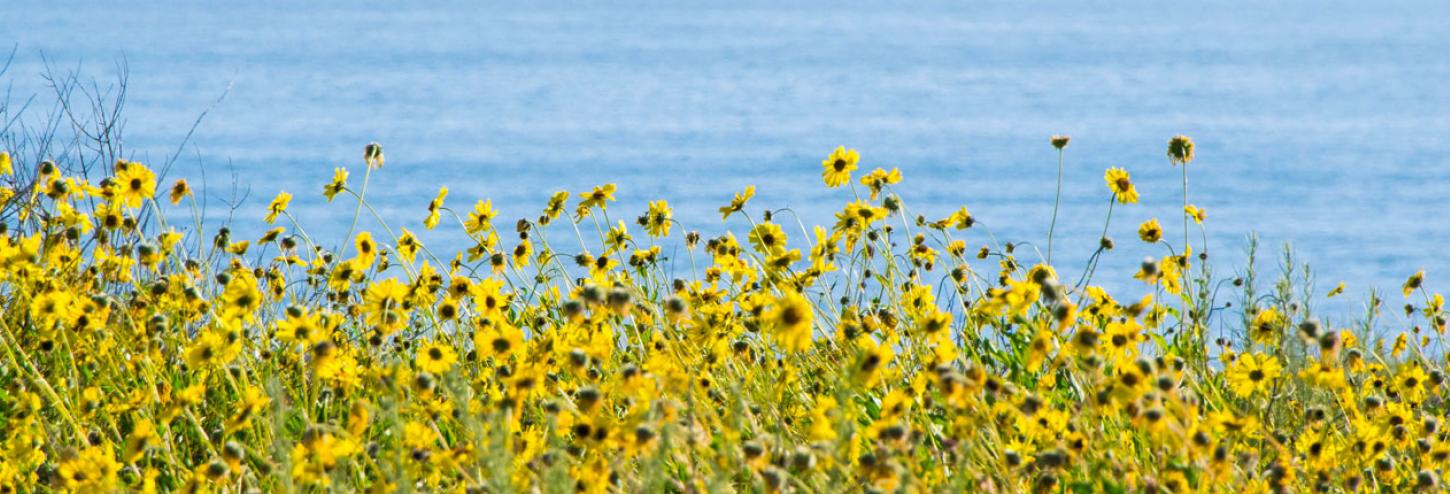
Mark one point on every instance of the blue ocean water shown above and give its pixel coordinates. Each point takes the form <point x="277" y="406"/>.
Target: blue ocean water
<point x="1317" y="123"/>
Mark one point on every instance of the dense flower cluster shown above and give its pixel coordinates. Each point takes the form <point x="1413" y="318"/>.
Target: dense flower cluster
<point x="882" y="352"/>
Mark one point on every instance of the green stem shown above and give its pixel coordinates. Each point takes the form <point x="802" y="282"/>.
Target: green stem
<point x="1055" y="203"/>
<point x="358" y="212"/>
<point x="1185" y="208"/>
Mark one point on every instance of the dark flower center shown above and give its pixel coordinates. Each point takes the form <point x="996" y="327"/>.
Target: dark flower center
<point x="791" y="316"/>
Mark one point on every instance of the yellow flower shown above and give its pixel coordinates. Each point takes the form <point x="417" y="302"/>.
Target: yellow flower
<point x="488" y="297"/>
<point x="93" y="469"/>
<point x="879" y="179"/>
<point x="658" y="219"/>
<point x="142" y="437"/>
<point x="55" y="307"/>
<point x="436" y="357"/>
<point x="338" y="184"/>
<point x="418" y="435"/>
<point x="240" y="247"/>
<point x="617" y="238"/>
<point x="838" y="166"/>
<point x="213" y="347"/>
<point x="1267" y="326"/>
<point x="1253" y="373"/>
<point x="5" y="166"/>
<point x="872" y="361"/>
<point x="179" y="190"/>
<point x="1180" y="150"/>
<point x="792" y="322"/>
<point x="135" y="183"/>
<point x="767" y="238"/>
<point x="481" y="219"/>
<point x="408" y="246"/>
<point x="1123" y="337"/>
<point x="241" y="298"/>
<point x="252" y="402"/>
<point x="555" y="207"/>
<point x="433" y="207"/>
<point x="314" y="458"/>
<point x="1195" y="212"/>
<point x="522" y="253"/>
<point x="596" y="198"/>
<point x="1322" y="373"/>
<point x="278" y="206"/>
<point x="1043" y="344"/>
<point x="1150" y="231"/>
<point x="1121" y="185"/>
<point x="961" y="219"/>
<point x="1413" y="283"/>
<point x="1411" y="382"/>
<point x="301" y="326"/>
<point x="367" y="250"/>
<point x="498" y="339"/>
<point x="738" y="203"/>
<point x="385" y="306"/>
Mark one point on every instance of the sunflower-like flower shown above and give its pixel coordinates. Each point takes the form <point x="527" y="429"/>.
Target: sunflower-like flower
<point x="278" y="206"/>
<point x="1150" y="231"/>
<point x="879" y="179"/>
<point x="767" y="238"/>
<point x="838" y="166"/>
<point x="301" y="327"/>
<point x="179" y="190"/>
<point x="385" y="306"/>
<point x="599" y="197"/>
<point x="1121" y="185"/>
<point x="1180" y="150"/>
<point x="738" y="203"/>
<point x="555" y="207"/>
<point x="1195" y="212"/>
<point x="657" y="220"/>
<point x="337" y="185"/>
<point x="961" y="219"/>
<point x="436" y="357"/>
<point x="1413" y="283"/>
<point x="1411" y="382"/>
<point x="367" y="249"/>
<point x="135" y="183"/>
<point x="93" y="469"/>
<point x="791" y="322"/>
<point x="1253" y="373"/>
<point x="434" y="207"/>
<point x="241" y="298"/>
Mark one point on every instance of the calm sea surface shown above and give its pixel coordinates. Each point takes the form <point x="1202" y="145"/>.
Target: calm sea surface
<point x="1320" y="123"/>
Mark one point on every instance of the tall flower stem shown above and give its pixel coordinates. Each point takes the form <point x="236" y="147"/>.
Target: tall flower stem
<point x="358" y="213"/>
<point x="1187" y="274"/>
<point x="1056" y="202"/>
<point x="1185" y="209"/>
